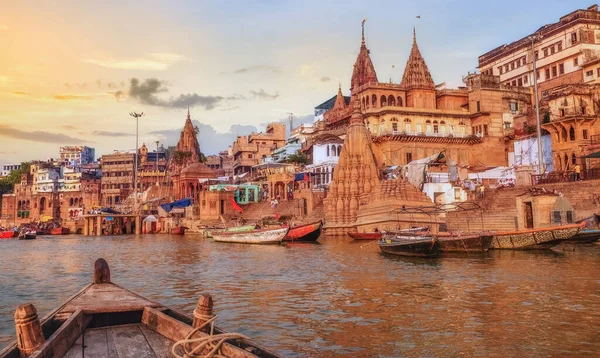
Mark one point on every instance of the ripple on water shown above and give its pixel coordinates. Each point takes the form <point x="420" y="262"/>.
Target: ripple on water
<point x="333" y="299"/>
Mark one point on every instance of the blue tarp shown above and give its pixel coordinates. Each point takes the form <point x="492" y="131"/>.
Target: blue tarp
<point x="177" y="204"/>
<point x="109" y="211"/>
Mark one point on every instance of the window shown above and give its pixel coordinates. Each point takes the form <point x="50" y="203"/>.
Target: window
<point x="554" y="72"/>
<point x="505" y="68"/>
<point x="485" y="129"/>
<point x="573" y="159"/>
<point x="395" y="127"/>
<point x="408" y="157"/>
<point x="525" y="79"/>
<point x="514" y="106"/>
<point x="598" y="71"/>
<point x="545" y="52"/>
<point x="514" y="82"/>
<point x="552" y="50"/>
<point x="249" y="156"/>
<point x="436" y="127"/>
<point x="571" y="134"/>
<point x="561" y="69"/>
<point x="576" y="61"/>
<point x="520" y="82"/>
<point x="569" y="217"/>
<point x="589" y="73"/>
<point x="585" y="134"/>
<point x="537" y="74"/>
<point x="573" y="38"/>
<point x="559" y="46"/>
<point x="500" y="70"/>
<point x="556" y="216"/>
<point x="478" y="106"/>
<point x="547" y="74"/>
<point x="512" y="66"/>
<point x="537" y="55"/>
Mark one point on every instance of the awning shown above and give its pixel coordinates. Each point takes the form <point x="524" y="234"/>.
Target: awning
<point x="177" y="204"/>
<point x="593" y="155"/>
<point x="46" y="219"/>
<point x="150" y="218"/>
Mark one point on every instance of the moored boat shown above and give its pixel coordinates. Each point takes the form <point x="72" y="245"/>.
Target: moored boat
<point x="534" y="239"/>
<point x="308" y="232"/>
<point x="106" y="320"/>
<point x="364" y="235"/>
<point x="27" y="235"/>
<point x="410" y="246"/>
<point x="260" y="236"/>
<point x="60" y="231"/>
<point x="589" y="233"/>
<point x="178" y="230"/>
<point x="477" y="242"/>
<point x="8" y="234"/>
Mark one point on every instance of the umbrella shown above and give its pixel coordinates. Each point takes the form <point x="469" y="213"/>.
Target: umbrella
<point x="45" y="219"/>
<point x="150" y="218"/>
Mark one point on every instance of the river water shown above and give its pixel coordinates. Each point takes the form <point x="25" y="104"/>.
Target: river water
<point x="336" y="298"/>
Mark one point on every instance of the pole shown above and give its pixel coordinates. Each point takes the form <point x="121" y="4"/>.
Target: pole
<point x="537" y="110"/>
<point x="135" y="162"/>
<point x="157" y="177"/>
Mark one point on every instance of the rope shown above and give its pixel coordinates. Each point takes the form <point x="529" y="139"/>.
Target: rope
<point x="212" y="342"/>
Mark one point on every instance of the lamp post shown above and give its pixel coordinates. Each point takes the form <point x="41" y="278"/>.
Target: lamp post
<point x="537" y="109"/>
<point x="135" y="162"/>
<point x="157" y="176"/>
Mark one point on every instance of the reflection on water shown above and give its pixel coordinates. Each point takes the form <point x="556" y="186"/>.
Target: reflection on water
<point x="339" y="297"/>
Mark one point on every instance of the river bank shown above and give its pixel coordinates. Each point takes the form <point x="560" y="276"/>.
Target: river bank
<point x="333" y="298"/>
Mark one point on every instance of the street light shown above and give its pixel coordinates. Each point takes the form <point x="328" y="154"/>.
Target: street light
<point x="157" y="177"/>
<point x="135" y="163"/>
<point x="537" y="109"/>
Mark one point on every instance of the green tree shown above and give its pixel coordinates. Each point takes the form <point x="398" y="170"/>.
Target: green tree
<point x="7" y="184"/>
<point x="298" y="158"/>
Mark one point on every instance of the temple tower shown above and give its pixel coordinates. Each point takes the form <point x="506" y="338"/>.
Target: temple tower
<point x="187" y="151"/>
<point x="364" y="71"/>
<point x="417" y="80"/>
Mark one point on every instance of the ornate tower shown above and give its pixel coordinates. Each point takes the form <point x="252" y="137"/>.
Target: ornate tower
<point x="417" y="79"/>
<point x="187" y="151"/>
<point x="363" y="72"/>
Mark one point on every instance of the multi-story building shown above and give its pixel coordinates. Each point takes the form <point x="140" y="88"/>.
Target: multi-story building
<point x="227" y="161"/>
<point x="214" y="162"/>
<point x="77" y="155"/>
<point x="117" y="177"/>
<point x="565" y="52"/>
<point x="415" y="118"/>
<point x="322" y="155"/>
<point x="8" y="168"/>
<point x="152" y="168"/>
<point x="251" y="149"/>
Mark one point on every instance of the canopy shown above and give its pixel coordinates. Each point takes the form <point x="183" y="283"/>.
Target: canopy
<point x="150" y="218"/>
<point x="300" y="176"/>
<point x="177" y="204"/>
<point x="593" y="155"/>
<point x="45" y="219"/>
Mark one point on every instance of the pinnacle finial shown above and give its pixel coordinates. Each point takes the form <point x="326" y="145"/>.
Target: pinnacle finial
<point x="414" y="35"/>
<point x="363" y="31"/>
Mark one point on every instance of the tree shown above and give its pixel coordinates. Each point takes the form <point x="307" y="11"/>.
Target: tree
<point x="203" y="158"/>
<point x="298" y="158"/>
<point x="7" y="184"/>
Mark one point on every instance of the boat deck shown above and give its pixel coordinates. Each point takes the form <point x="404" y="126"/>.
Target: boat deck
<point x="131" y="340"/>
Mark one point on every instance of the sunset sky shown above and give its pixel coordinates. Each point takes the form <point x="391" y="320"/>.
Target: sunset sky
<point x="71" y="71"/>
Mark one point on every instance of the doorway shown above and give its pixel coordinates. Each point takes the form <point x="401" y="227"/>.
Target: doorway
<point x="528" y="215"/>
<point x="222" y="207"/>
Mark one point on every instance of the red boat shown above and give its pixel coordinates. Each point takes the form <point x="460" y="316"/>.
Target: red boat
<point x="8" y="234"/>
<point x="179" y="230"/>
<point x="308" y="232"/>
<point x="364" y="235"/>
<point x="60" y="231"/>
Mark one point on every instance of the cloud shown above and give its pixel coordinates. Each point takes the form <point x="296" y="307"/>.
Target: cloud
<point x="71" y="97"/>
<point x="211" y="141"/>
<point x="39" y="136"/>
<point x="146" y="93"/>
<point x="68" y="127"/>
<point x="18" y="93"/>
<point x="262" y="95"/>
<point x="119" y="95"/>
<point x="325" y="79"/>
<point x="258" y="69"/>
<point x="151" y="62"/>
<point x="111" y="134"/>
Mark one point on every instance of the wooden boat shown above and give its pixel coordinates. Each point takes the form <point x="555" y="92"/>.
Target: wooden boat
<point x="28" y="235"/>
<point x="178" y="230"/>
<point x="9" y="234"/>
<point x="479" y="242"/>
<point x="260" y="236"/>
<point x="245" y="228"/>
<point x="410" y="246"/>
<point x="60" y="231"/>
<point x="364" y="235"/>
<point x="534" y="239"/>
<point x="106" y="320"/>
<point x="589" y="233"/>
<point x="308" y="232"/>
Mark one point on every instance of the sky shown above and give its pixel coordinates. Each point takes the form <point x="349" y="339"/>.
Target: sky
<point x="72" y="71"/>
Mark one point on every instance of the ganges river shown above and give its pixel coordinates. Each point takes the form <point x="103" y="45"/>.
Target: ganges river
<point x="335" y="298"/>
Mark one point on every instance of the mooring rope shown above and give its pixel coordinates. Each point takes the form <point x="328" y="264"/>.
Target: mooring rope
<point x="212" y="342"/>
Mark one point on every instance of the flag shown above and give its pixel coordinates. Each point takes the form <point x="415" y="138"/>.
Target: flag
<point x="235" y="206"/>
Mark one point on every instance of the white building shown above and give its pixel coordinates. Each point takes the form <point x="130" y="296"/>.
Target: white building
<point x="46" y="180"/>
<point x="323" y="158"/>
<point x="561" y="50"/>
<point x="7" y="168"/>
<point x="77" y="155"/>
<point x="70" y="181"/>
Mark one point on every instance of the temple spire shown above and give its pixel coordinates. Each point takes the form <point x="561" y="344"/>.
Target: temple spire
<point x="416" y="73"/>
<point x="340" y="101"/>
<point x="364" y="72"/>
<point x="363" y="32"/>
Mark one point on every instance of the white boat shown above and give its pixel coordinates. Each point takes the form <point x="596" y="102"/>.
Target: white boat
<point x="261" y="236"/>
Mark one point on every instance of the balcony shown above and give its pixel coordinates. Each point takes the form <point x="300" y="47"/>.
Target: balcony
<point x="244" y="162"/>
<point x="564" y="177"/>
<point x="421" y="134"/>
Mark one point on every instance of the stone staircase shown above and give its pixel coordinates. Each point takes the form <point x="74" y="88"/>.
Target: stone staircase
<point x="256" y="211"/>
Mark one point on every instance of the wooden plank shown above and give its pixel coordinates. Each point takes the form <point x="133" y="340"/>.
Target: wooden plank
<point x="159" y="344"/>
<point x="176" y="330"/>
<point x="107" y="297"/>
<point x="130" y="342"/>
<point x="60" y="341"/>
<point x="76" y="350"/>
<point x="112" y="351"/>
<point x="95" y="344"/>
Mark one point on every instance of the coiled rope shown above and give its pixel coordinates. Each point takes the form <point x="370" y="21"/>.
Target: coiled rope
<point x="193" y="347"/>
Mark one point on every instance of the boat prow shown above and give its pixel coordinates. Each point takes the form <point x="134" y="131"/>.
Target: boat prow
<point x="364" y="235"/>
<point x="105" y="320"/>
<point x="261" y="236"/>
<point x="534" y="239"/>
<point x="307" y="232"/>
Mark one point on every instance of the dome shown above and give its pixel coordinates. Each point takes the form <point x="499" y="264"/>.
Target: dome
<point x="198" y="170"/>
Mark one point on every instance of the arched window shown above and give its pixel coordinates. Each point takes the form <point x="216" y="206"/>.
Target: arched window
<point x="573" y="159"/>
<point x="19" y="205"/>
<point x="328" y="151"/>
<point x="339" y="152"/>
<point x="367" y="101"/>
<point x="407" y="125"/>
<point x="399" y="102"/>
<point x="571" y="133"/>
<point x="428" y="126"/>
<point x="394" y="124"/>
<point x="383" y="101"/>
<point x="442" y="127"/>
<point x="564" y="135"/>
<point x="557" y="163"/>
<point x="80" y="201"/>
<point x="374" y="101"/>
<point x="363" y="103"/>
<point x="436" y="127"/>
<point x="333" y="151"/>
<point x="70" y="201"/>
<point x="566" y="161"/>
<point x="381" y="125"/>
<point x="461" y="127"/>
<point x="391" y="101"/>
